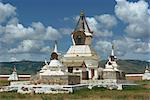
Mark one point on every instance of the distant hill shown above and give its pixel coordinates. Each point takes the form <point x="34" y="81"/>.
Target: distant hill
<point x="31" y="67"/>
<point x="23" y="67"/>
<point x="129" y="66"/>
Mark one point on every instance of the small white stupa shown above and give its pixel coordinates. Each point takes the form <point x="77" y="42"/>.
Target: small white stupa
<point x="111" y="70"/>
<point x="111" y="64"/>
<point x="13" y="76"/>
<point x="146" y="75"/>
<point x="55" y="67"/>
<point x="54" y="73"/>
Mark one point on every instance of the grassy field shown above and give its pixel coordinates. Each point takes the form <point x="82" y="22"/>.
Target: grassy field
<point x="129" y="93"/>
<point x="4" y="83"/>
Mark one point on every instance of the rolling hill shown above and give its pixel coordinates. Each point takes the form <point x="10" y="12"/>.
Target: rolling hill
<point x="31" y="67"/>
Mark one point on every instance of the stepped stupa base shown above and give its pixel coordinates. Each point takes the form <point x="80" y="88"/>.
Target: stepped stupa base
<point x="118" y="75"/>
<point x="56" y="79"/>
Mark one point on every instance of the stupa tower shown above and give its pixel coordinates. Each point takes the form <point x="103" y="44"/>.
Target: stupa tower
<point x="146" y="75"/>
<point x="81" y="54"/>
<point x="82" y="35"/>
<point x="111" y="71"/>
<point x="13" y="76"/>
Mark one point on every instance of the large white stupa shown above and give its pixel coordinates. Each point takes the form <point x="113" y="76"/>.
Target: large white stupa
<point x="81" y="58"/>
<point x="13" y="76"/>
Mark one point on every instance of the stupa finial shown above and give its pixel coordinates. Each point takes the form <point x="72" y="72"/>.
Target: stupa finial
<point x="55" y="47"/>
<point x="112" y="52"/>
<point x="82" y="13"/>
<point x="14" y="69"/>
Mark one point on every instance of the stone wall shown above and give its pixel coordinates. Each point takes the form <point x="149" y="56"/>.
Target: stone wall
<point x="61" y="80"/>
<point x="134" y="78"/>
<point x="111" y="75"/>
<point x="73" y="79"/>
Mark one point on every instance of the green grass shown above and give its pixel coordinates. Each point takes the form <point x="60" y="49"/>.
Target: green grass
<point x="129" y="93"/>
<point x="144" y="82"/>
<point x="4" y="83"/>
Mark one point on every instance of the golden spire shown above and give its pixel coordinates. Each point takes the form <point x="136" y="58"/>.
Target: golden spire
<point x="82" y="13"/>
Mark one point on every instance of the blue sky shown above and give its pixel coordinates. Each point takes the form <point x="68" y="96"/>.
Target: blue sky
<point x="28" y="28"/>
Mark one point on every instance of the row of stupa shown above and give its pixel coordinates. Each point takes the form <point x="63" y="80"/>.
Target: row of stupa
<point x="81" y="59"/>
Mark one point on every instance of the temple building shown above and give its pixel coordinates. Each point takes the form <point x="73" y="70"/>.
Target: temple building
<point x="13" y="76"/>
<point x="54" y="73"/>
<point x="81" y="58"/>
<point x="111" y="70"/>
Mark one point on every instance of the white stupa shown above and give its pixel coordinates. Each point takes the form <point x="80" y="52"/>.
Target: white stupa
<point x="146" y="75"/>
<point x="55" y="67"/>
<point x="111" y="70"/>
<point x="81" y="52"/>
<point x="111" y="64"/>
<point x="13" y="76"/>
<point x="54" y="73"/>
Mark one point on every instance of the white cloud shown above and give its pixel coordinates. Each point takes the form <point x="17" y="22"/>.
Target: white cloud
<point x="52" y="33"/>
<point x="19" y="39"/>
<point x="128" y="44"/>
<point x="107" y="21"/>
<point x="125" y="47"/>
<point x="38" y="27"/>
<point x="40" y="32"/>
<point x="13" y="59"/>
<point x="19" y="42"/>
<point x="45" y="49"/>
<point x="103" y="46"/>
<point x="66" y="31"/>
<point x="13" y="32"/>
<point x="136" y="15"/>
<point x="6" y="11"/>
<point x="102" y="24"/>
<point x="28" y="46"/>
<point x="37" y="31"/>
<point x="13" y="21"/>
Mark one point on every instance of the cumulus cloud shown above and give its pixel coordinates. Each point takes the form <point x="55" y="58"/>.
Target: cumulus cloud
<point x="19" y="42"/>
<point x="13" y="31"/>
<point x="52" y="33"/>
<point x="125" y="46"/>
<point x="30" y="46"/>
<point x="128" y="44"/>
<point x="107" y="21"/>
<point x="17" y="38"/>
<point x="37" y="31"/>
<point x="136" y="15"/>
<point x="103" y="46"/>
<point x="13" y="59"/>
<point x="102" y="25"/>
<point x="6" y="11"/>
<point x="66" y="31"/>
